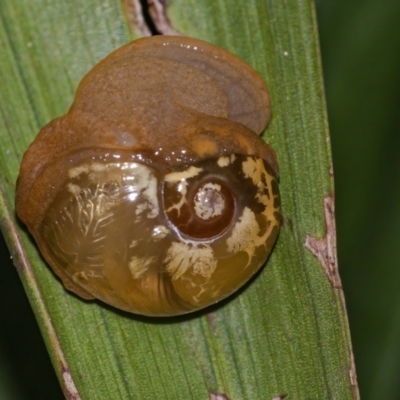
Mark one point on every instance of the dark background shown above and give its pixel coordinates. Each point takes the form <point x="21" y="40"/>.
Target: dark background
<point x="360" y="46"/>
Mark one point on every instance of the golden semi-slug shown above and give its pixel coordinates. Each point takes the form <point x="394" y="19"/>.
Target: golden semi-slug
<point x="154" y="193"/>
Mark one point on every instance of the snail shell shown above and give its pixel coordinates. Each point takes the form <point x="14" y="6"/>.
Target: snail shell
<point x="154" y="193"/>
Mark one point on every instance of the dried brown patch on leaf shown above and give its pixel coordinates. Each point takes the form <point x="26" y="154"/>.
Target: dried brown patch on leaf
<point x="134" y="14"/>
<point x="353" y="376"/>
<point x="158" y="14"/>
<point x="68" y="385"/>
<point x="331" y="170"/>
<point x="324" y="249"/>
<point x="218" y="396"/>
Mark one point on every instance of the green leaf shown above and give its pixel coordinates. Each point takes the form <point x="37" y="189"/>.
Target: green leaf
<point x="286" y="332"/>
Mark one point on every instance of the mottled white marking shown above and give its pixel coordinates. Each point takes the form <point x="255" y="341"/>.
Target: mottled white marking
<point x="92" y="170"/>
<point x="182" y="189"/>
<point x="179" y="176"/>
<point x="244" y="234"/>
<point x="159" y="232"/>
<point x="138" y="181"/>
<point x="74" y="189"/>
<point x="139" y="265"/>
<point x="76" y="171"/>
<point x="141" y="208"/>
<point x="182" y="256"/>
<point x="263" y="199"/>
<point x="98" y="167"/>
<point x="254" y="169"/>
<point x="209" y="201"/>
<point x="223" y="161"/>
<point x="146" y="185"/>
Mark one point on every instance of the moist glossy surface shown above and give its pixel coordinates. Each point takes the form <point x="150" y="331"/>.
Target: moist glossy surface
<point x="154" y="193"/>
<point x="159" y="243"/>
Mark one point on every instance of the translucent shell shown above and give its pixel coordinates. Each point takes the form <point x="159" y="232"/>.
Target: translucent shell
<point x="153" y="194"/>
<point x="154" y="243"/>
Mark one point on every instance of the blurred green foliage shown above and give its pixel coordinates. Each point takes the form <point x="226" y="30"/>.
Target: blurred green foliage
<point x="360" y="47"/>
<point x="360" y="44"/>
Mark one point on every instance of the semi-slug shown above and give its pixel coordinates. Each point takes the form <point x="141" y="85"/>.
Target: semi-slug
<point x="154" y="193"/>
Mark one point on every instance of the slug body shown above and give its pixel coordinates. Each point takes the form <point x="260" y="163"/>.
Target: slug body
<point x="154" y="193"/>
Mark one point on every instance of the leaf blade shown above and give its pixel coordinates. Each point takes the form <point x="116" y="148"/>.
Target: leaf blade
<point x="290" y="306"/>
